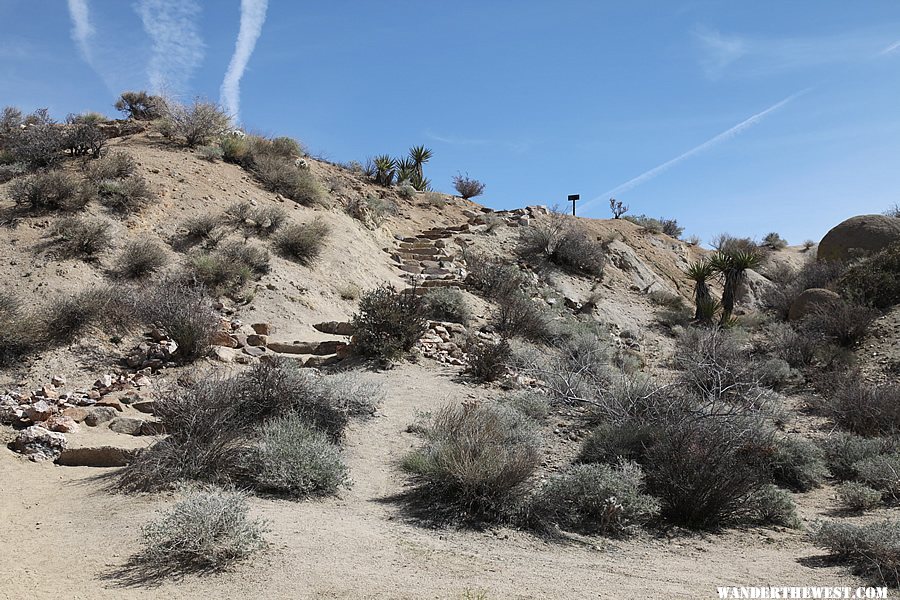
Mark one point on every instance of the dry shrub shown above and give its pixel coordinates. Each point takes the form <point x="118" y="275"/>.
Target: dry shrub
<point x="372" y="211"/>
<point x="730" y="244"/>
<point x="488" y="360"/>
<point x="48" y="191"/>
<point x="466" y="187"/>
<point x="872" y="549"/>
<point x="211" y="153"/>
<point x="125" y="196"/>
<point x="491" y="276"/>
<point x="115" y="165"/>
<point x="446" y="304"/>
<point x="474" y="463"/>
<point x="39" y="144"/>
<point x="283" y="177"/>
<point x="865" y="409"/>
<point x="262" y="220"/>
<point x="531" y="403"/>
<point x="184" y="312"/>
<point x="204" y="227"/>
<point x="875" y="281"/>
<point x="207" y="529"/>
<point x="881" y="473"/>
<point x="565" y="243"/>
<point x="81" y="237"/>
<point x="140" y="106"/>
<point x="16" y="330"/>
<point x="517" y="315"/>
<point x="843" y="451"/>
<point x="594" y="500"/>
<point x="858" y="497"/>
<point x="797" y="464"/>
<point x="229" y="268"/>
<point x="197" y="123"/>
<point x="302" y="242"/>
<point x="840" y="322"/>
<point x="790" y="283"/>
<point x="140" y="258"/>
<point x="388" y="322"/>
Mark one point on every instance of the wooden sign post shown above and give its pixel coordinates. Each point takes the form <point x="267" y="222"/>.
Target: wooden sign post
<point x="573" y="198"/>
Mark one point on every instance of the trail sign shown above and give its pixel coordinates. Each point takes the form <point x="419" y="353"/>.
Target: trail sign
<point x="573" y="198"/>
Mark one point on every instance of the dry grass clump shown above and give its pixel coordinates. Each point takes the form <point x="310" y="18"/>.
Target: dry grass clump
<point x="49" y="191"/>
<point x="207" y="529"/>
<point x="388" y="323"/>
<point x="302" y="242"/>
<point x="262" y="220"/>
<point x="114" y="165"/>
<point x="873" y="549"/>
<point x="206" y="227"/>
<point x="474" y="463"/>
<point x="16" y="330"/>
<point x="125" y="196"/>
<point x="81" y="237"/>
<point x="595" y="500"/>
<point x="229" y="268"/>
<point x="140" y="258"/>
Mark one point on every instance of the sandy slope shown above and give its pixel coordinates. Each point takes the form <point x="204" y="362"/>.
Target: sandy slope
<point x="65" y="537"/>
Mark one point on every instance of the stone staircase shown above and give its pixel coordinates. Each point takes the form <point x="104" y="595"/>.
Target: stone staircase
<point x="431" y="259"/>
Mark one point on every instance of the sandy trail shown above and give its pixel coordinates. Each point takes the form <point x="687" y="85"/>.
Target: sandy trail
<point x="63" y="536"/>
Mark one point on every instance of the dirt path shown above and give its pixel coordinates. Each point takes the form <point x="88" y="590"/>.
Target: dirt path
<point x="63" y="536"/>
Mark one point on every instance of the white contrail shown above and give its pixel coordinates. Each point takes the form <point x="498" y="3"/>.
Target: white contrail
<point x="82" y="30"/>
<point x="890" y="48"/>
<point x="253" y="15"/>
<point x="725" y="135"/>
<point x="177" y="48"/>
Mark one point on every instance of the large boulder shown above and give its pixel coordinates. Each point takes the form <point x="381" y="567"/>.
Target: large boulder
<point x="811" y="300"/>
<point x="859" y="236"/>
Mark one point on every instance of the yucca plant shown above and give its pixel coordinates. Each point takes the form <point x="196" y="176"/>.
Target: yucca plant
<point x="421" y="184"/>
<point x="732" y="266"/>
<point x="700" y="272"/>
<point x="406" y="170"/>
<point x="420" y="155"/>
<point x="385" y="169"/>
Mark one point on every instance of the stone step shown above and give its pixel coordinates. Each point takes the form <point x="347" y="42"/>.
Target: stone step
<point x="414" y="269"/>
<point x="335" y="327"/>
<point x="409" y="256"/>
<point x="314" y="348"/>
<point x="434" y="271"/>
<point x="416" y="245"/>
<point x="430" y="283"/>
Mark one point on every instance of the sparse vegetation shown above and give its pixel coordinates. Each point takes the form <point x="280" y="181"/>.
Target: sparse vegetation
<point x="302" y="242"/>
<point x="874" y="281"/>
<point x="728" y="244"/>
<point x="371" y="211"/>
<point x="872" y="549"/>
<point x="774" y="241"/>
<point x="196" y="124"/>
<point x="466" y="187"/>
<point x="446" y="304"/>
<point x="474" y="463"/>
<point x="866" y="409"/>
<point x="487" y="360"/>
<point x="49" y="191"/>
<point x="125" y="196"/>
<point x="140" y="258"/>
<point x="81" y="237"/>
<point x="388" y="322"/>
<point x="668" y="227"/>
<point x="207" y="529"/>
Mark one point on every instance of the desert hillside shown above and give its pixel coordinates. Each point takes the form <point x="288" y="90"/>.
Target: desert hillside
<point x="412" y="395"/>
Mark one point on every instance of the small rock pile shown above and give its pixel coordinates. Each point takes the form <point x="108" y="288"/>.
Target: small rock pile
<point x="438" y="343"/>
<point x="50" y="412"/>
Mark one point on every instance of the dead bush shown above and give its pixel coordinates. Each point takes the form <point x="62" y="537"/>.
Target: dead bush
<point x="594" y="500"/>
<point x="81" y="237"/>
<point x="730" y="244"/>
<point x="474" y="463"/>
<point x="184" y="312"/>
<point x="16" y="330"/>
<point x="140" y="258"/>
<point x="204" y="227"/>
<point x="302" y="242"/>
<point x="388" y="322"/>
<point x="487" y="360"/>
<point x="197" y="123"/>
<point x="83" y="138"/>
<point x="371" y="211"/>
<point x="262" y="220"/>
<point x="49" y="191"/>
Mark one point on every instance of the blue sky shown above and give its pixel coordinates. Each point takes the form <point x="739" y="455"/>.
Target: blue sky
<point x="740" y="117"/>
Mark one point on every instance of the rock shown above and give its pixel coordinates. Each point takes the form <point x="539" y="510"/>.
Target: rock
<point x="811" y="300"/>
<point x="223" y="339"/>
<point x="61" y="423"/>
<point x="858" y="236"/>
<point x="222" y="354"/>
<point x="39" y="411"/>
<point x="255" y="339"/>
<point x="11" y="414"/>
<point x="295" y="348"/>
<point x="145" y="406"/>
<point x="330" y="347"/>
<point x="321" y="361"/>
<point x="97" y="456"/>
<point x="126" y="425"/>
<point x="39" y="444"/>
<point x="58" y="380"/>
<point x="335" y="328"/>
<point x="76" y="413"/>
<point x="254" y="351"/>
<point x="100" y="414"/>
<point x="112" y="403"/>
<point x="753" y="289"/>
<point x="263" y="328"/>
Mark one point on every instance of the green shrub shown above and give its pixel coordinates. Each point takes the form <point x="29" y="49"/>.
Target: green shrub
<point x="797" y="464"/>
<point x="211" y="153"/>
<point x="610" y="442"/>
<point x="229" y="268"/>
<point x="858" y="497"/>
<point x="843" y="451"/>
<point x="474" y="461"/>
<point x="595" y="500"/>
<point x="140" y="258"/>
<point x="50" y="190"/>
<point x="875" y="280"/>
<point x="873" y="548"/>
<point x="302" y="242"/>
<point x="291" y="458"/>
<point x="81" y="237"/>
<point x="388" y="322"/>
<point x="770" y="505"/>
<point x="487" y="360"/>
<point x="881" y="473"/>
<point x="140" y="106"/>
<point x="207" y="529"/>
<point x="126" y="196"/>
<point x="446" y="304"/>
<point x="283" y="177"/>
<point x="531" y="403"/>
<point x="774" y="241"/>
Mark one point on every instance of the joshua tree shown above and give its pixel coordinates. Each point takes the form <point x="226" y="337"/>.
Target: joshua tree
<point x="732" y="266"/>
<point x="618" y="209"/>
<point x="420" y="155"/>
<point x="700" y="272"/>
